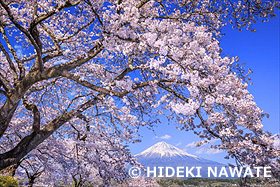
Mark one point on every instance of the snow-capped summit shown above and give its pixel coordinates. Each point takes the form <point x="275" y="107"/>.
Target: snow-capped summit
<point x="163" y="154"/>
<point x="163" y="149"/>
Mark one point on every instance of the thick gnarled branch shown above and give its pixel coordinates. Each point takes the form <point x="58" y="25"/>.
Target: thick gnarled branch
<point x="36" y="115"/>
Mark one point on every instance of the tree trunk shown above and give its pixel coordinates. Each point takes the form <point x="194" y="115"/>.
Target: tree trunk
<point x="9" y="171"/>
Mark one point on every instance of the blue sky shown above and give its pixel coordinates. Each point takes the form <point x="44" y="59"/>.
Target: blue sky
<point x="260" y="51"/>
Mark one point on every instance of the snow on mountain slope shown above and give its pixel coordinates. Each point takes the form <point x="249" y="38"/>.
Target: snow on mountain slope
<point x="163" y="154"/>
<point x="162" y="149"/>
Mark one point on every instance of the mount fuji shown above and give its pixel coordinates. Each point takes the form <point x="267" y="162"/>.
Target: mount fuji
<point x="165" y="155"/>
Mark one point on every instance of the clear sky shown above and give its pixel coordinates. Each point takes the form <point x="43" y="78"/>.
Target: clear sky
<point x="260" y="51"/>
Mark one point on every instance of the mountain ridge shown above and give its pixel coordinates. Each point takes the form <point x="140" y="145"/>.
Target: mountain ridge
<point x="164" y="150"/>
<point x="163" y="154"/>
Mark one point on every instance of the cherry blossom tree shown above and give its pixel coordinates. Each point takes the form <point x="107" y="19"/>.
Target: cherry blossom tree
<point x="95" y="161"/>
<point x="79" y="78"/>
<point x="142" y="181"/>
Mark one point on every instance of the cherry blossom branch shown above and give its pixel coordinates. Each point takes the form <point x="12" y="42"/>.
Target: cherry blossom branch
<point x="31" y="141"/>
<point x="11" y="64"/>
<point x="95" y="13"/>
<point x="33" y="40"/>
<point x="32" y="177"/>
<point x="54" y="38"/>
<point x="142" y="3"/>
<point x="87" y="84"/>
<point x="5" y="83"/>
<point x="56" y="9"/>
<point x="32" y="57"/>
<point x="12" y="50"/>
<point x="173" y="92"/>
<point x="78" y="31"/>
